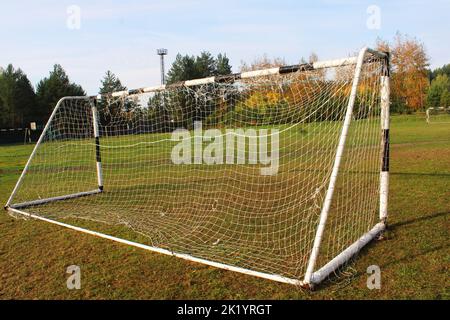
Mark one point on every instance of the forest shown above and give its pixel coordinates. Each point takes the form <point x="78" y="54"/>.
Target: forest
<point x="414" y="87"/>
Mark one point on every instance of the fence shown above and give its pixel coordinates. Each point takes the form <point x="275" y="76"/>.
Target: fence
<point x="19" y="135"/>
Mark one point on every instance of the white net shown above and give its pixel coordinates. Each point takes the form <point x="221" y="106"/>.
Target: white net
<point x="233" y="172"/>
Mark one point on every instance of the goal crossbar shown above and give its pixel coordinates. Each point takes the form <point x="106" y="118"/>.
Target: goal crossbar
<point x="251" y="74"/>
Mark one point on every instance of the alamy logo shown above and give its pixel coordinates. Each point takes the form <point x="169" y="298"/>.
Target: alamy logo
<point x="74" y="280"/>
<point x="232" y="146"/>
<point x="374" y="278"/>
<point x="73" y="21"/>
<point x="373" y="22"/>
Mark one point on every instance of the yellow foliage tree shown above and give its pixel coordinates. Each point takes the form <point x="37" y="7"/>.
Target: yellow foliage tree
<point x="409" y="60"/>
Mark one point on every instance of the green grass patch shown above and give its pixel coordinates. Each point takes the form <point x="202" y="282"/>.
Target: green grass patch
<point x="413" y="259"/>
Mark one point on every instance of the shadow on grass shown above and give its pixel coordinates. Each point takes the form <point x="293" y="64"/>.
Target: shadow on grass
<point x="420" y="174"/>
<point x="333" y="280"/>
<point x="411" y="257"/>
<point x="396" y="225"/>
<point x="358" y="274"/>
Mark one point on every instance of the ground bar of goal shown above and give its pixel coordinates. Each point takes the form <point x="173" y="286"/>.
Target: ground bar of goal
<point x="53" y="199"/>
<point x="317" y="276"/>
<point x="273" y="277"/>
<point x="347" y="254"/>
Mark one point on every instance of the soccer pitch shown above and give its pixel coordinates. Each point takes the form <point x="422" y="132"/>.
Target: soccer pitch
<point x="413" y="258"/>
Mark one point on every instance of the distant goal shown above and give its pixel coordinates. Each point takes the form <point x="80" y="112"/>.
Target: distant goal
<point x="279" y="173"/>
<point x="438" y="115"/>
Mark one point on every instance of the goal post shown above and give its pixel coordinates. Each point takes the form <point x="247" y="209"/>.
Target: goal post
<point x="98" y="158"/>
<point x="385" y="119"/>
<point x="317" y="277"/>
<point x="35" y="149"/>
<point x="279" y="173"/>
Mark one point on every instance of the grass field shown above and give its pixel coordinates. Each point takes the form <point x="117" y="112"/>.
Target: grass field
<point x="414" y="258"/>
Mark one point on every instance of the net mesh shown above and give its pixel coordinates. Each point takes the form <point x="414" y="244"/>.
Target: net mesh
<point x="251" y="197"/>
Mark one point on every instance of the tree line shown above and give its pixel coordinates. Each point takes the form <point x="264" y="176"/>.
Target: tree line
<point x="413" y="85"/>
<point x="21" y="104"/>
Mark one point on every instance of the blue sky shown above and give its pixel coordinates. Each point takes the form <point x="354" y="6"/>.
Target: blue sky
<point x="122" y="36"/>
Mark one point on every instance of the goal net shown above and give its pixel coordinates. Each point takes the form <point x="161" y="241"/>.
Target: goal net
<point x="278" y="173"/>
<point x="438" y="115"/>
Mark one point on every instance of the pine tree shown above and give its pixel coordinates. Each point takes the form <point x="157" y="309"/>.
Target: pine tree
<point x="409" y="80"/>
<point x="191" y="67"/>
<point x="25" y="100"/>
<point x="205" y="65"/>
<point x="111" y="83"/>
<point x="182" y="69"/>
<point x="18" y="100"/>
<point x="223" y="66"/>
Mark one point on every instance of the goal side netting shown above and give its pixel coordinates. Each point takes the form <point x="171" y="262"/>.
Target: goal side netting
<point x="279" y="173"/>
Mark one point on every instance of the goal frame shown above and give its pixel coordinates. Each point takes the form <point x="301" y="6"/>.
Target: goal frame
<point x="427" y="113"/>
<point x="312" y="276"/>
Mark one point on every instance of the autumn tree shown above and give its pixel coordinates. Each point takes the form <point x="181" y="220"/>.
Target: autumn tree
<point x="263" y="105"/>
<point x="263" y="62"/>
<point x="409" y="66"/>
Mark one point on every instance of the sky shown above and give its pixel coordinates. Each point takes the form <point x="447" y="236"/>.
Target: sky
<point x="90" y="37"/>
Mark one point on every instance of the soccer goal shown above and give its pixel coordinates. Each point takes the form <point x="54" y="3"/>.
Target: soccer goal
<point x="279" y="173"/>
<point x="438" y="115"/>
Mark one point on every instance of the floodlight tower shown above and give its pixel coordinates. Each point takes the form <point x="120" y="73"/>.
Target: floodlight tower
<point x="162" y="52"/>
